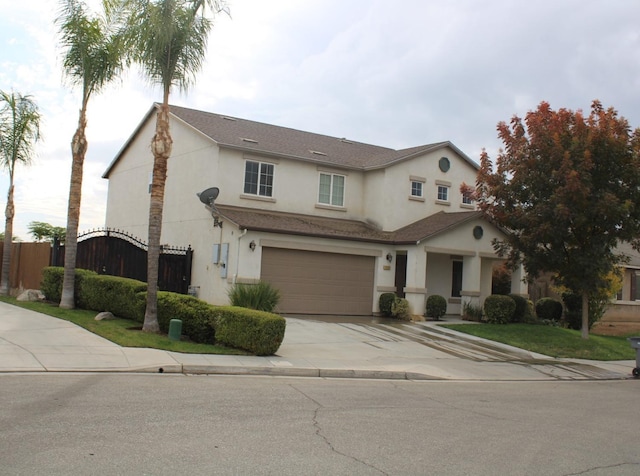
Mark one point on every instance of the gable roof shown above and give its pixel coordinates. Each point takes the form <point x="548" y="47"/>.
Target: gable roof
<point x="266" y="139"/>
<point x="337" y="228"/>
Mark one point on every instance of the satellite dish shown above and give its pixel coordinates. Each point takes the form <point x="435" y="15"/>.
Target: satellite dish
<point x="209" y="195"/>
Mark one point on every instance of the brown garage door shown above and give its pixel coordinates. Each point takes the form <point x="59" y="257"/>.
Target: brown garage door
<point x="320" y="283"/>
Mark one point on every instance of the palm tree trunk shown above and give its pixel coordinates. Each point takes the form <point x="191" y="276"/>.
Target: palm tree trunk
<point x="161" y="145"/>
<point x="5" y="282"/>
<point x="78" y="150"/>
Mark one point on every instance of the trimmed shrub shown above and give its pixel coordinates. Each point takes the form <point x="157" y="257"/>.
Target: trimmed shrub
<point x="261" y="296"/>
<point x="521" y="313"/>
<point x="197" y="316"/>
<point x="436" y="306"/>
<point x="499" y="309"/>
<point x="114" y="294"/>
<point x="471" y="312"/>
<point x="52" y="279"/>
<point x="573" y="310"/>
<point x="254" y="331"/>
<point x="385" y="303"/>
<point x="548" y="309"/>
<point x="400" y="309"/>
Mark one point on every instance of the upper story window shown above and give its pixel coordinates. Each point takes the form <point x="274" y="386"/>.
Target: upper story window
<point x="331" y="189"/>
<point x="416" y="189"/>
<point x="443" y="193"/>
<point x="258" y="178"/>
<point x="466" y="199"/>
<point x="443" y="196"/>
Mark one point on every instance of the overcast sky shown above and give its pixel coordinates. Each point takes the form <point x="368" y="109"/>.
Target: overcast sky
<point x="395" y="74"/>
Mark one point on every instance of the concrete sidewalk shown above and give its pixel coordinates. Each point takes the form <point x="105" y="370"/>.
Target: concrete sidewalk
<point x="351" y="348"/>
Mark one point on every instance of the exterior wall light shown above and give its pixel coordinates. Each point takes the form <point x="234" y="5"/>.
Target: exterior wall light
<point x="389" y="257"/>
<point x="252" y="245"/>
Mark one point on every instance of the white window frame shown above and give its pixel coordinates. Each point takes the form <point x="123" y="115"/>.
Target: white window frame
<point x="417" y="189"/>
<point x="443" y="193"/>
<point x="466" y="199"/>
<point x="263" y="187"/>
<point x="332" y="189"/>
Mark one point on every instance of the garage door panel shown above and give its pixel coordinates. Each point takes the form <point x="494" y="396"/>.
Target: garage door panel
<point x="320" y="283"/>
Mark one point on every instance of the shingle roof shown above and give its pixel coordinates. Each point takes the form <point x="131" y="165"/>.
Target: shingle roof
<point x="242" y="134"/>
<point x="267" y="139"/>
<point x="336" y="228"/>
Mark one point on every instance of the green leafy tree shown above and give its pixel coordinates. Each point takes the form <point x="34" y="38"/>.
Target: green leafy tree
<point x="567" y="189"/>
<point x="168" y="39"/>
<point x="41" y="231"/>
<point x="93" y="57"/>
<point x="19" y="131"/>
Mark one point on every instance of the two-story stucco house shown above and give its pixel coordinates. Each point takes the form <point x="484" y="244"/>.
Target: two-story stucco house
<point x="332" y="223"/>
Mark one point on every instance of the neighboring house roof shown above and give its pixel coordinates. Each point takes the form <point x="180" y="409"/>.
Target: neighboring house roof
<point x="630" y="254"/>
<point x="267" y="139"/>
<point x="337" y="228"/>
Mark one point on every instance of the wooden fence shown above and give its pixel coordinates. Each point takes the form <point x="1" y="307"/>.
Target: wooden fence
<point x="27" y="261"/>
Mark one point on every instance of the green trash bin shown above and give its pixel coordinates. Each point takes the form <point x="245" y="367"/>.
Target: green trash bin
<point x="635" y="343"/>
<point x="175" y="329"/>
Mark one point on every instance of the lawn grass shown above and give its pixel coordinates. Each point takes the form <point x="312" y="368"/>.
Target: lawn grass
<point x="552" y="341"/>
<point x="123" y="332"/>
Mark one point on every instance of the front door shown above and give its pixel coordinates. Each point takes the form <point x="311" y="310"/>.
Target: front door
<point x="401" y="274"/>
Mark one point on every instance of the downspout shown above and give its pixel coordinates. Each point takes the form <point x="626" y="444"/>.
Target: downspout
<point x="235" y="275"/>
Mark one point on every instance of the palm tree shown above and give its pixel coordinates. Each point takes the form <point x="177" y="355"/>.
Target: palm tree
<point x="169" y="41"/>
<point x="92" y="59"/>
<point x="19" y="131"/>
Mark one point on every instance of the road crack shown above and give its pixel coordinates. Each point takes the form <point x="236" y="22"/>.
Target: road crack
<point x="320" y="434"/>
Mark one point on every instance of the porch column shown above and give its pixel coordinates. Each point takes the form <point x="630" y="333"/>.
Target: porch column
<point x="415" y="289"/>
<point x="518" y="284"/>
<point x="471" y="281"/>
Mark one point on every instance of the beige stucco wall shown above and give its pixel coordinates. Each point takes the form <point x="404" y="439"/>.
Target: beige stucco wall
<point x="388" y="192"/>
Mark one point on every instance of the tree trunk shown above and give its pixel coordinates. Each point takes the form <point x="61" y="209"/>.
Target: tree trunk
<point x="5" y="281"/>
<point x="161" y="145"/>
<point x="585" y="315"/>
<point x="78" y="150"/>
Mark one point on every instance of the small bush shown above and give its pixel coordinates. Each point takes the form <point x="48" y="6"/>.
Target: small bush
<point x="521" y="313"/>
<point x="386" y="302"/>
<point x="261" y="296"/>
<point x="573" y="310"/>
<point x="400" y="309"/>
<point x="255" y="331"/>
<point x="548" y="309"/>
<point x="436" y="306"/>
<point x="471" y="312"/>
<point x="499" y="309"/>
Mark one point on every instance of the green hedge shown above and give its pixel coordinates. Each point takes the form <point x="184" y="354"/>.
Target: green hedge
<point x="52" y="279"/>
<point x="499" y="309"/>
<point x="258" y="332"/>
<point x="197" y="316"/>
<point x="114" y="294"/>
<point x="254" y="331"/>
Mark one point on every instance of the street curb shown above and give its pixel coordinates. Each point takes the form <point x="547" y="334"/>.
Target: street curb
<point x="304" y="372"/>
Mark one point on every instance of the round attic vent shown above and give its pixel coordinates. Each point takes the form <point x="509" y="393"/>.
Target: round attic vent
<point x="444" y="164"/>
